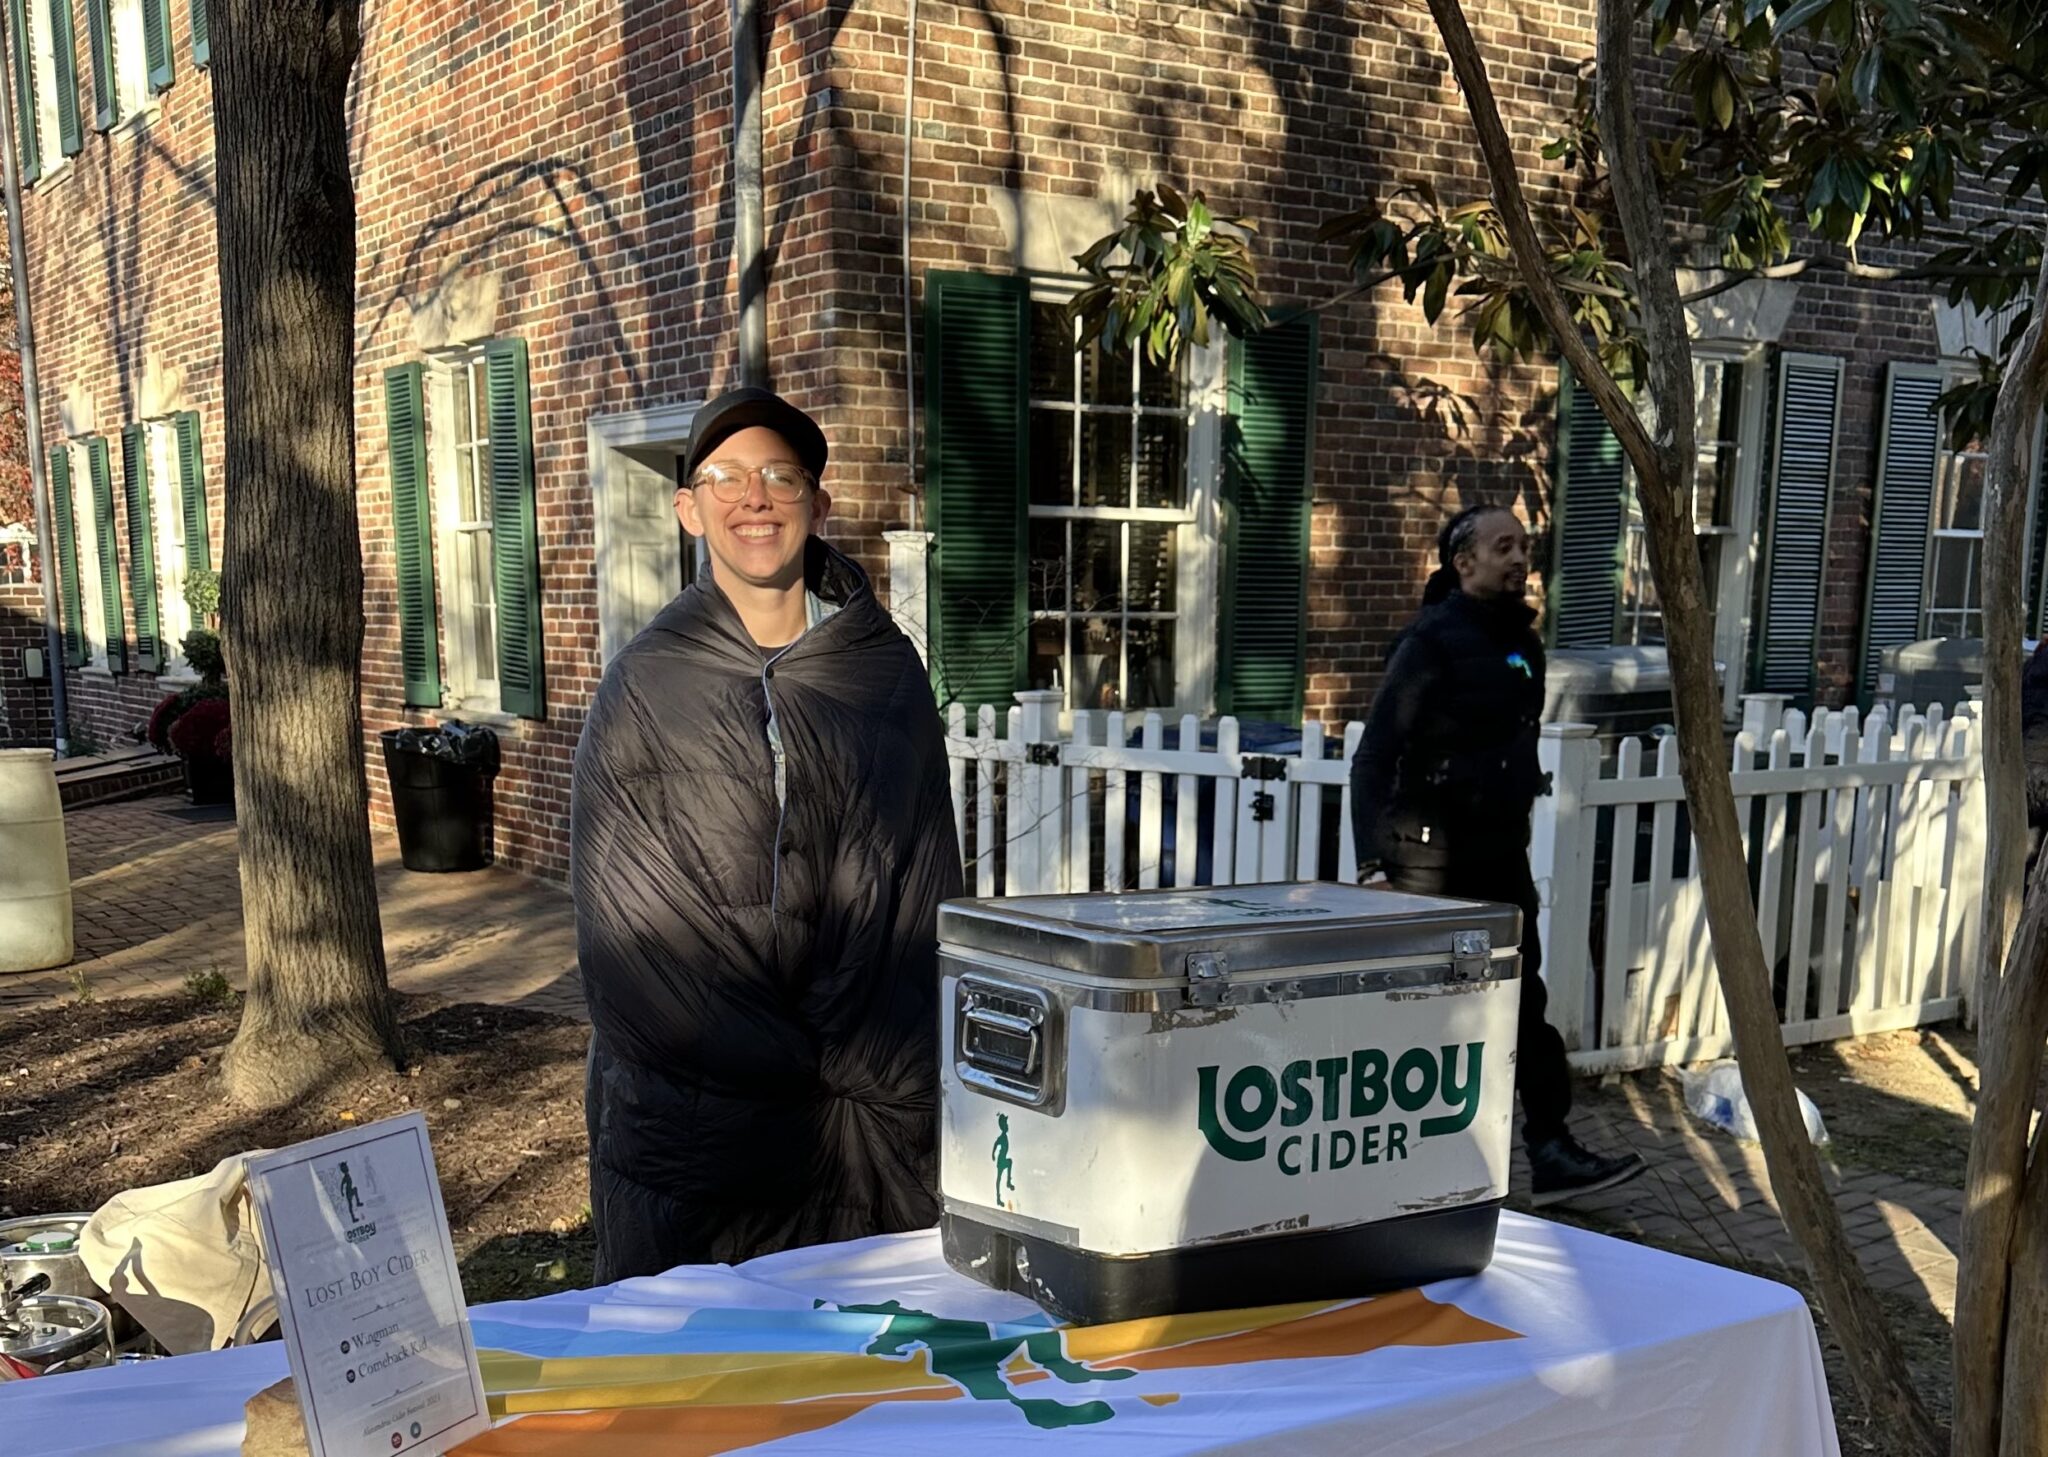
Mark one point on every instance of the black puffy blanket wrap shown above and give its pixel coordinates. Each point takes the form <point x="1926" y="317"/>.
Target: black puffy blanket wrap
<point x="760" y="841"/>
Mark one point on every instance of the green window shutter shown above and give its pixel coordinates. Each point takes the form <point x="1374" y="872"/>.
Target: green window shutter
<point x="977" y="340"/>
<point x="515" y="542"/>
<point x="70" y="602"/>
<point x="192" y="493"/>
<point x="70" y="131"/>
<point x="1269" y="449"/>
<point x="1805" y="407"/>
<point x="1589" y="500"/>
<point x="1908" y="451"/>
<point x="202" y="34"/>
<point x="141" y="548"/>
<point x="18" y="46"/>
<point x="110" y="553"/>
<point x="99" y="26"/>
<point x="156" y="43"/>
<point x="412" y="523"/>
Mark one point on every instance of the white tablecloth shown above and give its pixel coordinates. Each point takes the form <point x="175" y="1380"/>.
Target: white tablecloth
<point x="1569" y="1345"/>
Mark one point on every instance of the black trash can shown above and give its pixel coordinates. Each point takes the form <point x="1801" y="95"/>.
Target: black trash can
<point x="441" y="794"/>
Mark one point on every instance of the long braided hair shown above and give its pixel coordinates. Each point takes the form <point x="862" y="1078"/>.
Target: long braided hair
<point x="1458" y="534"/>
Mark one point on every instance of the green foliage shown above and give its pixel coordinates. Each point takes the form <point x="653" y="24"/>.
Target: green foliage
<point x="210" y="986"/>
<point x="1159" y="280"/>
<point x="202" y="594"/>
<point x="203" y="651"/>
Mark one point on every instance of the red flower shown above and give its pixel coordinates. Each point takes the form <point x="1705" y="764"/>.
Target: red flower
<point x="166" y="713"/>
<point x="193" y="735"/>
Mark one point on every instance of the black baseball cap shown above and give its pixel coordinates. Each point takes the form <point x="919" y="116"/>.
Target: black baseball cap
<point x="744" y="408"/>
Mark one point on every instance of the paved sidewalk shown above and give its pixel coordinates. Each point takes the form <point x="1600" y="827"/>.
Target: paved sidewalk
<point x="1706" y="1190"/>
<point x="156" y="897"/>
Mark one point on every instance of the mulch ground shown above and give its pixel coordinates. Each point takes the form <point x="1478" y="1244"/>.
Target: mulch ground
<point x="98" y="1097"/>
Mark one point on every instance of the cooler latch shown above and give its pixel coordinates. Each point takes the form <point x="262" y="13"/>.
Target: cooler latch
<point x="1208" y="978"/>
<point x="1471" y="954"/>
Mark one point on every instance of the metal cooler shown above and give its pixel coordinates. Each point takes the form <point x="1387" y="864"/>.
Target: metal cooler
<point x="1207" y="1099"/>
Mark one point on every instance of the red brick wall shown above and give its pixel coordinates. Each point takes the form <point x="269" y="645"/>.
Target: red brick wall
<point x="576" y="155"/>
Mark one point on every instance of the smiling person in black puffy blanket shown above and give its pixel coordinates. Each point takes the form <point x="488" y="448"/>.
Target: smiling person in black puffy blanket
<point x="761" y="835"/>
<point x="1441" y="791"/>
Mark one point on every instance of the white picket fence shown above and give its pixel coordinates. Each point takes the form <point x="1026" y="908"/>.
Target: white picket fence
<point x="1881" y="821"/>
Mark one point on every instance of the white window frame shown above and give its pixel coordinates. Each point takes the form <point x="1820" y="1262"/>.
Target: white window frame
<point x="1955" y="372"/>
<point x="85" y="540"/>
<point x="133" y="100"/>
<point x="49" y="125"/>
<point x="167" y="507"/>
<point x="1739" y="537"/>
<point x="1204" y="398"/>
<point x="464" y="688"/>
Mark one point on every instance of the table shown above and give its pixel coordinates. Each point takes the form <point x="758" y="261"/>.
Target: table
<point x="1571" y="1344"/>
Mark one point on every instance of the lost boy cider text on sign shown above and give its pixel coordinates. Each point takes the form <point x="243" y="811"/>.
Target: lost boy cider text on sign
<point x="367" y="1291"/>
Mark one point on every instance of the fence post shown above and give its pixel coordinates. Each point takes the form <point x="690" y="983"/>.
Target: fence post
<point x="1762" y="715"/>
<point x="1561" y="860"/>
<point x="1036" y="846"/>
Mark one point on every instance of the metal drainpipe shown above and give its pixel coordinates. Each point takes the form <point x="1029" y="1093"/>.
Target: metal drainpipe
<point x="909" y="352"/>
<point x="32" y="417"/>
<point x="748" y="232"/>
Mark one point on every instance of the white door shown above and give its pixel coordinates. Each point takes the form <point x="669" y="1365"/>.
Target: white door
<point x="640" y="552"/>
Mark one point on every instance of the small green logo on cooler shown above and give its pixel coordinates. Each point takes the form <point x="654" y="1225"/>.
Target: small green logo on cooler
<point x="1235" y="1114"/>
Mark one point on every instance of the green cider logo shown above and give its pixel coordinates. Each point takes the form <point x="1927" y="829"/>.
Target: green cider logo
<point x="1362" y="1086"/>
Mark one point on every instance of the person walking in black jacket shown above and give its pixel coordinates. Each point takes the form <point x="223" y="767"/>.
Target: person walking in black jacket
<point x="1442" y="787"/>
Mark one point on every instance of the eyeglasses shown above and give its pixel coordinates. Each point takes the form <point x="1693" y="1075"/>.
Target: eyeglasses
<point x="783" y="480"/>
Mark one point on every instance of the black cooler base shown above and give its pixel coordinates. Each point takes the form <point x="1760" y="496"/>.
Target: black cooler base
<point x="1085" y="1288"/>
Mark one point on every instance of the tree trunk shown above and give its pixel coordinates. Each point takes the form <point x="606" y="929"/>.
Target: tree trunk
<point x="2024" y="1430"/>
<point x="2011" y="996"/>
<point x="1662" y="454"/>
<point x="292" y="589"/>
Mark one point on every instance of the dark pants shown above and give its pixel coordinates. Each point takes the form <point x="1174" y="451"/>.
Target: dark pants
<point x="1542" y="1076"/>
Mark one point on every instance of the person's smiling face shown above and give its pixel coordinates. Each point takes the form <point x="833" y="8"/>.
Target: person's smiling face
<point x="758" y="537"/>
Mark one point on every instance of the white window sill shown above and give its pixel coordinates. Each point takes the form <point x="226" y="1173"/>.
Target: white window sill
<point x="178" y="678"/>
<point x="490" y="718"/>
<point x="138" y="123"/>
<point x="97" y="670"/>
<point x="54" y="172"/>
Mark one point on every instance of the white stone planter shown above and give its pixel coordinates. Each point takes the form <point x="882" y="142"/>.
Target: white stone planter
<point x="35" y="871"/>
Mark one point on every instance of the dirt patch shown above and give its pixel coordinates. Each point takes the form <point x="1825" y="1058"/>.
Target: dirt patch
<point x="97" y="1097"/>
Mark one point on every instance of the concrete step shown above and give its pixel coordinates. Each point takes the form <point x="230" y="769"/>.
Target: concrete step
<point x="125" y="773"/>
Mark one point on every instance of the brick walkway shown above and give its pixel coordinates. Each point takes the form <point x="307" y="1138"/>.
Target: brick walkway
<point x="157" y="898"/>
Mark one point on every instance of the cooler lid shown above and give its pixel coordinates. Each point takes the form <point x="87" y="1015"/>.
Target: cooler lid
<point x="1151" y="933"/>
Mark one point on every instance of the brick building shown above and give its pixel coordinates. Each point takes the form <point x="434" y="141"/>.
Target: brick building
<point x="545" y="272"/>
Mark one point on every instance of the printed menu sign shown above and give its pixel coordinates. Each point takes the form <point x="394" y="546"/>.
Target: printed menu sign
<point x="367" y="1292"/>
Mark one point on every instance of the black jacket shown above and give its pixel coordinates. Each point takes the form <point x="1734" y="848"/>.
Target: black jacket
<point x="761" y="962"/>
<point x="1447" y="767"/>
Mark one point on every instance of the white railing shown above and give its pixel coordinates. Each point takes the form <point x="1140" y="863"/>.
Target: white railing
<point x="1881" y="822"/>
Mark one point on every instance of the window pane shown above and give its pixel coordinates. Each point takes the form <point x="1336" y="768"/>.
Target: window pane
<point x="1152" y="567"/>
<point x="1714" y="486"/>
<point x="1052" y="457"/>
<point x="464" y="417"/>
<point x="1048" y="653"/>
<point x="1105" y="378"/>
<point x="1162" y="461"/>
<point x="1158" y="384"/>
<point x="1966" y="493"/>
<point x="1710" y="572"/>
<point x="1052" y="352"/>
<point x="1098" y="566"/>
<point x="1047" y="588"/>
<point x="1707" y="377"/>
<point x="1106" y="460"/>
<point x="1949" y="589"/>
<point x="1098" y="664"/>
<point x="483" y="619"/>
<point x="1150" y="651"/>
